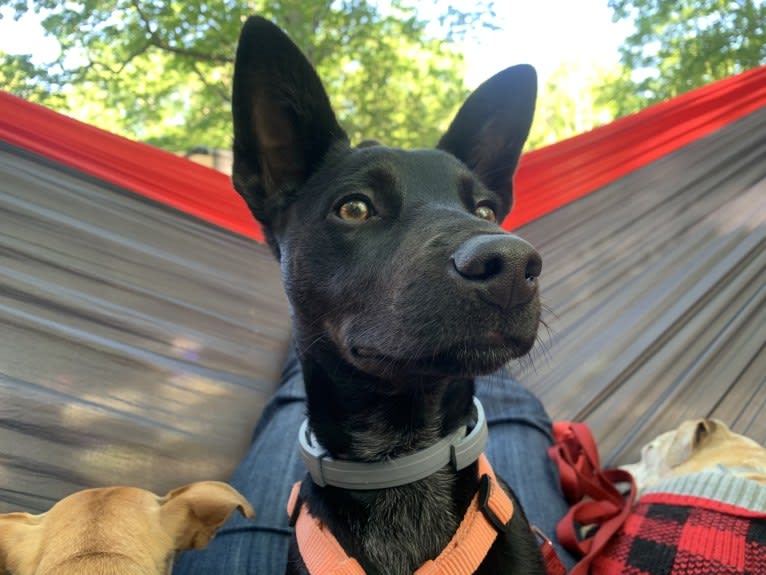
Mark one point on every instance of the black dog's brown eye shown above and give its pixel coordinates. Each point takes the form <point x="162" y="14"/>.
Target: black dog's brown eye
<point x="354" y="211"/>
<point x="486" y="213"/>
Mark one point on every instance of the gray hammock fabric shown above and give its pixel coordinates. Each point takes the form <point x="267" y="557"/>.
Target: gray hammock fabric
<point x="657" y="288"/>
<point x="106" y="300"/>
<point x="138" y="345"/>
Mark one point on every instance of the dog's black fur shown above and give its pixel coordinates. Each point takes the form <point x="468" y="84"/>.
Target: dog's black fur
<point x="401" y="286"/>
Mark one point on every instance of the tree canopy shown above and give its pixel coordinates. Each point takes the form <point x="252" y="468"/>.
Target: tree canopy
<point x="569" y="103"/>
<point x="160" y="70"/>
<point x="678" y="45"/>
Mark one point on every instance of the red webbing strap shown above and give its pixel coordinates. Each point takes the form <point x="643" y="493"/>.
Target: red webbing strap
<point x="590" y="490"/>
<point x="551" y="559"/>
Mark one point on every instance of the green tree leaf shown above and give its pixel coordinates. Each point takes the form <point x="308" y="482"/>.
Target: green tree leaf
<point x="678" y="45"/>
<point x="569" y="104"/>
<point x="160" y="70"/>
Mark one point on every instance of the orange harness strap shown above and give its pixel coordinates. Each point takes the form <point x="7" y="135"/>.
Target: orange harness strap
<point x="489" y="512"/>
<point x="319" y="548"/>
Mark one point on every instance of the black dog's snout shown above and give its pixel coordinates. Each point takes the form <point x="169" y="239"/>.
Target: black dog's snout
<point x="503" y="268"/>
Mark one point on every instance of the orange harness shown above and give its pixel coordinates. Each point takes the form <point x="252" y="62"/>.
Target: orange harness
<point x="489" y="513"/>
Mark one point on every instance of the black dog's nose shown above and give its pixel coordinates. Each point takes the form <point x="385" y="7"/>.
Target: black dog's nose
<point x="502" y="267"/>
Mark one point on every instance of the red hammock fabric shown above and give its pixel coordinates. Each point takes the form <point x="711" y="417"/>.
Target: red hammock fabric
<point x="556" y="175"/>
<point x="548" y="178"/>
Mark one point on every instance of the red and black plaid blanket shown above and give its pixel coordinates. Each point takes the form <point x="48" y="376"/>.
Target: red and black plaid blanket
<point x="681" y="535"/>
<point x="708" y="523"/>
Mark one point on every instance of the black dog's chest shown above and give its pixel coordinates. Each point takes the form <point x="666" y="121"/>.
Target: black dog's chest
<point x="395" y="532"/>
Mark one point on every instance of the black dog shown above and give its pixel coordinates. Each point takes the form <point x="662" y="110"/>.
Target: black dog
<point x="402" y="288"/>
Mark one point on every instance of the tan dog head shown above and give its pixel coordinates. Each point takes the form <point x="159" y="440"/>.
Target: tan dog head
<point x="114" y="530"/>
<point x="698" y="445"/>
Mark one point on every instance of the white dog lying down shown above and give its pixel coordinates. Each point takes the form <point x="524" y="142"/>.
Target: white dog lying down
<point x="699" y="445"/>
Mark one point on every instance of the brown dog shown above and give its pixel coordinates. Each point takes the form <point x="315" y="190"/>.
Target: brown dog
<point x="698" y="445"/>
<point x="116" y="530"/>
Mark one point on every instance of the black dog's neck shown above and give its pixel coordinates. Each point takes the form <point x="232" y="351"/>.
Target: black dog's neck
<point x="359" y="417"/>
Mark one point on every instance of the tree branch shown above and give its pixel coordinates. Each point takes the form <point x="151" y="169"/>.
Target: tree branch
<point x="216" y="88"/>
<point x="155" y="40"/>
<point x="132" y="57"/>
<point x="195" y="54"/>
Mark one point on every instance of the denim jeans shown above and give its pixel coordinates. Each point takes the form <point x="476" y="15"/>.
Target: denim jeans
<point x="519" y="435"/>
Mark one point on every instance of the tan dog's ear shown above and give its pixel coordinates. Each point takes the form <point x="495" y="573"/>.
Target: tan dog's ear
<point x="191" y="514"/>
<point x="689" y="437"/>
<point x="705" y="428"/>
<point x="16" y="530"/>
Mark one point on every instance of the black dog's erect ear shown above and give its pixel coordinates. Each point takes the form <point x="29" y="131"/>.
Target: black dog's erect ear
<point x="491" y="127"/>
<point x="283" y="122"/>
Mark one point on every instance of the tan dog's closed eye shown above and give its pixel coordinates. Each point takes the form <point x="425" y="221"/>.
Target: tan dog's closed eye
<point x="116" y="530"/>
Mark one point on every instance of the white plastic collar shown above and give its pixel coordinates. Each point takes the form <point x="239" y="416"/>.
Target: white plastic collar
<point x="457" y="449"/>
